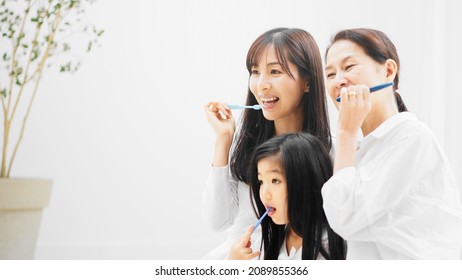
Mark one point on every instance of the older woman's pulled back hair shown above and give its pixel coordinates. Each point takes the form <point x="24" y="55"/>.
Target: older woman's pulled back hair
<point x="377" y="46"/>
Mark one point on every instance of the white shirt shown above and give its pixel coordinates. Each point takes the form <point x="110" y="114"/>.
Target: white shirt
<point x="295" y="254"/>
<point x="226" y="205"/>
<point x="401" y="200"/>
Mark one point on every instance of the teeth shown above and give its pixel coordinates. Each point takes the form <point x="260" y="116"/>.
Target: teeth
<point x="269" y="99"/>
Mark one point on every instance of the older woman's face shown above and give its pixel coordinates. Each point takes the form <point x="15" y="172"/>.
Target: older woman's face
<point x="347" y="64"/>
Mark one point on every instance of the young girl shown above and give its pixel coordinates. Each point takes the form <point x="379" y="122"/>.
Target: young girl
<point x="286" y="174"/>
<point x="286" y="79"/>
<point x="393" y="196"/>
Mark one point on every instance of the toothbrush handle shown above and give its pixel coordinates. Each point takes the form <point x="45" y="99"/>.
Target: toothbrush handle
<point x="374" y="88"/>
<point x="261" y="219"/>
<point x="379" y="87"/>
<point x="255" y="107"/>
<point x="233" y="106"/>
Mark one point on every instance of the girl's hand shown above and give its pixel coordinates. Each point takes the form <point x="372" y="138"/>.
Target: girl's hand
<point x="241" y="250"/>
<point x="220" y="117"/>
<point x="354" y="107"/>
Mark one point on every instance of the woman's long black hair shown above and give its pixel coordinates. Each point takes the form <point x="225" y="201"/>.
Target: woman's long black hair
<point x="307" y="166"/>
<point x="299" y="48"/>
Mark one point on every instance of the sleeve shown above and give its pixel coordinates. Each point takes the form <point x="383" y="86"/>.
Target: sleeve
<point x="358" y="199"/>
<point x="220" y="199"/>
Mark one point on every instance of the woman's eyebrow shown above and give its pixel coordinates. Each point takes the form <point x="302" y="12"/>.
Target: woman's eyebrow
<point x="341" y="62"/>
<point x="268" y="64"/>
<point x="273" y="63"/>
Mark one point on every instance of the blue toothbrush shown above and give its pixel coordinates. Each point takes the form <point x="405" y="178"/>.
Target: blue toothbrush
<point x="375" y="88"/>
<point x="261" y="219"/>
<point x="255" y="107"/>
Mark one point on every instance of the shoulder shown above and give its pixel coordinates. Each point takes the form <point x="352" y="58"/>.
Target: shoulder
<point x="413" y="138"/>
<point x="403" y="135"/>
<point x="406" y="127"/>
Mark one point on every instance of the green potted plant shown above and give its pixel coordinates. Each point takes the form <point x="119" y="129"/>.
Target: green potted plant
<point x="34" y="35"/>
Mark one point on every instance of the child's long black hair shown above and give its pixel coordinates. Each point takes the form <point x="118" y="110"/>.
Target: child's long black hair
<point x="307" y="166"/>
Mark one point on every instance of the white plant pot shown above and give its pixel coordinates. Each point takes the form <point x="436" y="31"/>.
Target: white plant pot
<point x="21" y="205"/>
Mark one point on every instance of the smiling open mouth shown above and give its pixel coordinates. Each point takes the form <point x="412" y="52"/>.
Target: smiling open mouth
<point x="269" y="100"/>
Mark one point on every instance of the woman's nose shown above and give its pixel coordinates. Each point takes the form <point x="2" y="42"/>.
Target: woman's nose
<point x="264" y="84"/>
<point x="340" y="81"/>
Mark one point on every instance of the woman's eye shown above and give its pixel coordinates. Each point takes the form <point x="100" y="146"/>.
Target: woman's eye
<point x="349" y="67"/>
<point x="330" y="75"/>
<point x="275" y="181"/>
<point x="275" y="71"/>
<point x="254" y="72"/>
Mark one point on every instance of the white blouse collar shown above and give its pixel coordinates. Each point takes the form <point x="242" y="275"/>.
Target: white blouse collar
<point x="388" y="125"/>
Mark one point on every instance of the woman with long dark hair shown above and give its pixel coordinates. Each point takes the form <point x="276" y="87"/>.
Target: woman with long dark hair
<point x="286" y="80"/>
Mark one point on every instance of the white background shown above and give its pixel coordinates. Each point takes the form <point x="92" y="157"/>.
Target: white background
<point x="126" y="141"/>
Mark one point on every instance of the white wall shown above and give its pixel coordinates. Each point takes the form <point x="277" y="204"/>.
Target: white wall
<point x="126" y="140"/>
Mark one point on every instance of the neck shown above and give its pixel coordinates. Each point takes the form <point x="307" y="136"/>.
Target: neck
<point x="293" y="240"/>
<point x="289" y="124"/>
<point x="383" y="107"/>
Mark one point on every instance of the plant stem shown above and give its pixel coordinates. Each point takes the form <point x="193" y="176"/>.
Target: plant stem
<point x="45" y="56"/>
<point x="5" y="144"/>
<point x="24" y="81"/>
<point x="24" y="123"/>
<point x="6" y="109"/>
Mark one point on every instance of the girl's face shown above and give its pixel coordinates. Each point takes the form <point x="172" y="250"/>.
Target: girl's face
<point x="273" y="188"/>
<point x="348" y="64"/>
<point x="275" y="90"/>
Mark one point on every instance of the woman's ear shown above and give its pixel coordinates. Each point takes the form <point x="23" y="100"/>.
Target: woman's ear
<point x="307" y="88"/>
<point x="392" y="69"/>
